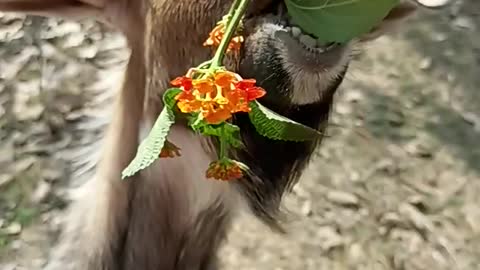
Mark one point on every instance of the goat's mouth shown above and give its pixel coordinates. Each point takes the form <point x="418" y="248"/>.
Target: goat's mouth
<point x="305" y="51"/>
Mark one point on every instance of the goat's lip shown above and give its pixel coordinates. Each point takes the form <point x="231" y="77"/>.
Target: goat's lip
<point x="294" y="36"/>
<point x="302" y="55"/>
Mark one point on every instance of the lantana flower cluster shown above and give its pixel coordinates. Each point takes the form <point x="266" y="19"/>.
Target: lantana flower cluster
<point x="216" y="96"/>
<point x="225" y="170"/>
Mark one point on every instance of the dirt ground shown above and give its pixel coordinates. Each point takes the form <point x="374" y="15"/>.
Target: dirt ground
<point x="395" y="186"/>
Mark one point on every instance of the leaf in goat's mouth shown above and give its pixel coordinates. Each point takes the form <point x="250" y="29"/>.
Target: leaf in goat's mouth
<point x="338" y="20"/>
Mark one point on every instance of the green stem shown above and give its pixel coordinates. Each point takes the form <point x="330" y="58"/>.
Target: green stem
<point x="223" y="144"/>
<point x="229" y="31"/>
<point x="231" y="11"/>
<point x="204" y="64"/>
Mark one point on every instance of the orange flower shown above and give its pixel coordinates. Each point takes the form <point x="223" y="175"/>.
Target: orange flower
<point x="187" y="103"/>
<point x="224" y="79"/>
<point x="216" y="36"/>
<point x="204" y="86"/>
<point x="215" y="114"/>
<point x="217" y="95"/>
<point x="225" y="170"/>
<point x="186" y="100"/>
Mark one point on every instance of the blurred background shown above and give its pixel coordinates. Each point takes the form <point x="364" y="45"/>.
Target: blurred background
<point x="395" y="186"/>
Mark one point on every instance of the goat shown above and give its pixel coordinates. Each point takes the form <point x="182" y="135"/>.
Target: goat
<point x="169" y="216"/>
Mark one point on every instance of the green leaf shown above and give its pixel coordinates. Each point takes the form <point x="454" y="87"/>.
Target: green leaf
<point x="169" y="97"/>
<point x="230" y="132"/>
<point x="150" y="148"/>
<point x="195" y="121"/>
<point x="232" y="135"/>
<point x="276" y="127"/>
<point x="338" y="20"/>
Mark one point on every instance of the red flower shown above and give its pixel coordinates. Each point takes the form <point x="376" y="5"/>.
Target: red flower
<point x="184" y="83"/>
<point x="252" y="92"/>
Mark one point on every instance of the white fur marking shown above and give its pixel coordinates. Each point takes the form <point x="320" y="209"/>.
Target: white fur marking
<point x="309" y="86"/>
<point x="187" y="173"/>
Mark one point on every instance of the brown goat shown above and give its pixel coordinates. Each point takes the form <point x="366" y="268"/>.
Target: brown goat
<point x="169" y="217"/>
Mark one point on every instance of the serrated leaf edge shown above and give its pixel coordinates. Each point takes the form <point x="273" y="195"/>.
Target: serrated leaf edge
<point x="262" y="109"/>
<point x="144" y="157"/>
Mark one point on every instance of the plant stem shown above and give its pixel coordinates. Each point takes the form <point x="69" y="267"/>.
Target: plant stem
<point x="231" y="11"/>
<point x="229" y="31"/>
<point x="223" y="144"/>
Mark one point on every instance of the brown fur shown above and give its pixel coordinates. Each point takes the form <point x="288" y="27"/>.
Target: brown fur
<point x="169" y="217"/>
